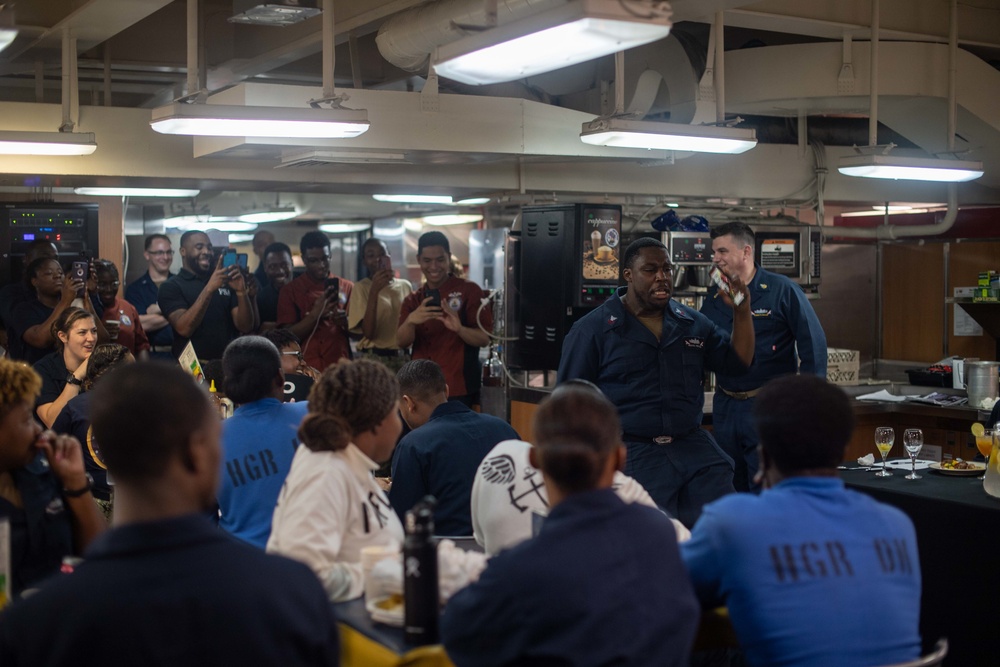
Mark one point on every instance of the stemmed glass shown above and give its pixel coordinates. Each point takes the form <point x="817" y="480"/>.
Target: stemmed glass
<point x="884" y="437"/>
<point x="913" y="441"/>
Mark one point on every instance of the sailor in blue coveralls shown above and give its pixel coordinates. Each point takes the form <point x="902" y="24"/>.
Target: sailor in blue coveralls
<point x="648" y="353"/>
<point x="789" y="338"/>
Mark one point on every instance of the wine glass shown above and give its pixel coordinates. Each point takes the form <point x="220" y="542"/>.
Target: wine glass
<point x="884" y="437"/>
<point x="984" y="443"/>
<point x="913" y="441"/>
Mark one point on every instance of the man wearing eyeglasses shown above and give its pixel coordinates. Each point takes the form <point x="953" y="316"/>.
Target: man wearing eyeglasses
<point x="142" y="293"/>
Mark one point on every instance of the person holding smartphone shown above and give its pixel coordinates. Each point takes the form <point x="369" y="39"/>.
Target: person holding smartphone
<point x="313" y="306"/>
<point x="375" y="306"/>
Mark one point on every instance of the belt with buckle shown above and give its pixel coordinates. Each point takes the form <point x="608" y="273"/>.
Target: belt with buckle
<point x="656" y="439"/>
<point x="384" y="352"/>
<point x="161" y="348"/>
<point x="741" y="395"/>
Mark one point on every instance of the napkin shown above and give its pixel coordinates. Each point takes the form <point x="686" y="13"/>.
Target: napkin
<point x="866" y="460"/>
<point x="881" y="396"/>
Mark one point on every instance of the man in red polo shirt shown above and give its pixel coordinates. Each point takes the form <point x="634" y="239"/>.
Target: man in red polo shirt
<point x="439" y="320"/>
<point x="313" y="306"/>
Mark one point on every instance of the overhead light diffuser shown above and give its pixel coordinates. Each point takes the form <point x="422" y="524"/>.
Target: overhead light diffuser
<point x="448" y="219"/>
<point x="413" y="199"/>
<point x="268" y="216"/>
<point x="7" y="36"/>
<point x="566" y="35"/>
<point x="910" y="168"/>
<point x="224" y="120"/>
<point x="47" y="143"/>
<point x="344" y="227"/>
<point x="136" y="192"/>
<point x="474" y="201"/>
<point x="204" y="223"/>
<point x="622" y="133"/>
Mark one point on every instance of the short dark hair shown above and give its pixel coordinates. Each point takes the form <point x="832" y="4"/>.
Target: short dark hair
<point x="191" y="232"/>
<point x="576" y="429"/>
<point x="153" y="237"/>
<point x="314" y="239"/>
<point x="144" y="415"/>
<point x="277" y="246"/>
<point x="105" y="266"/>
<point x="371" y="240"/>
<point x="740" y="231"/>
<point x="632" y="251"/>
<point x="433" y="239"/>
<point x="281" y="337"/>
<point x="249" y="365"/>
<point x="422" y="379"/>
<point x="32" y="269"/>
<point x="105" y="358"/>
<point x="803" y="422"/>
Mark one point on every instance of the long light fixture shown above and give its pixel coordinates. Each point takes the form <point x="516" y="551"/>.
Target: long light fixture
<point x="623" y="133"/>
<point x="7" y="37"/>
<point x="413" y="199"/>
<point x="344" y="227"/>
<point x="203" y="223"/>
<point x="224" y="120"/>
<point x="573" y="33"/>
<point x="276" y="215"/>
<point x="14" y="142"/>
<point x="910" y="168"/>
<point x="450" y="219"/>
<point x="136" y="192"/>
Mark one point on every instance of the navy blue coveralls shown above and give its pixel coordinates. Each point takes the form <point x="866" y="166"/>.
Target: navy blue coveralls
<point x="657" y="388"/>
<point x="783" y="319"/>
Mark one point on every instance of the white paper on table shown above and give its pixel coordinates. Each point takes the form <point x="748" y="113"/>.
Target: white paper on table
<point x="904" y="464"/>
<point x="881" y="396"/>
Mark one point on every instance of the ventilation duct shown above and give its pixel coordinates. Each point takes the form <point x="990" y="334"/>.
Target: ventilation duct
<point x="277" y="12"/>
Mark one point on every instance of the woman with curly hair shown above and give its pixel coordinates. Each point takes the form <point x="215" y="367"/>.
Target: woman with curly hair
<point x="51" y="511"/>
<point x="331" y="506"/>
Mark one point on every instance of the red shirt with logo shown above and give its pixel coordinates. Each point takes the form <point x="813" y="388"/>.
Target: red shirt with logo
<point x="329" y="343"/>
<point x="434" y="341"/>
<point x="130" y="331"/>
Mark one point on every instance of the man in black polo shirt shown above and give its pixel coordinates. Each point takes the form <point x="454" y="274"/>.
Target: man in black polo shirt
<point x="205" y="303"/>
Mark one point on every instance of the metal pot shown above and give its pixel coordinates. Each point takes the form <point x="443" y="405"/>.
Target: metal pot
<point x="981" y="379"/>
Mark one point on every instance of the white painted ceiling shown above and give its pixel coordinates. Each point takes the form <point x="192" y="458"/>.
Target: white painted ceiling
<point x="784" y="61"/>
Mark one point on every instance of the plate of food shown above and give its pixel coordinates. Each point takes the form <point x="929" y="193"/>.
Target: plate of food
<point x="958" y="468"/>
<point x="388" y="610"/>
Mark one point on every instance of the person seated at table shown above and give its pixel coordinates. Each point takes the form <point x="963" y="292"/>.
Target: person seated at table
<point x="290" y="347"/>
<point x="331" y="507"/>
<point x="62" y="371"/>
<point x="441" y="453"/>
<point x="74" y="419"/>
<point x="812" y="573"/>
<point x="44" y="490"/>
<point x="258" y="441"/>
<point x="601" y="584"/>
<point x="165" y="586"/>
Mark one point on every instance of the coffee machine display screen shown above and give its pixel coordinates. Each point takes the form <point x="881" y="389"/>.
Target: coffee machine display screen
<point x="601" y="245"/>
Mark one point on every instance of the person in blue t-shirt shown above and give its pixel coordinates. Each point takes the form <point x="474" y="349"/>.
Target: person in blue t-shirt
<point x="812" y="573"/>
<point x="258" y="441"/>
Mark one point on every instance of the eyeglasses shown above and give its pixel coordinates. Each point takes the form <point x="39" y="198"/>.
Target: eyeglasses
<point x="161" y="253"/>
<point x="297" y="355"/>
<point x="115" y="285"/>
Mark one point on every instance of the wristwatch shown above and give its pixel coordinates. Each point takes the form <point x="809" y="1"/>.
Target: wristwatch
<point x="76" y="493"/>
<point x="71" y="379"/>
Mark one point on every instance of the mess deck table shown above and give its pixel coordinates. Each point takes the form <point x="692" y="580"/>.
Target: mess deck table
<point x="958" y="535"/>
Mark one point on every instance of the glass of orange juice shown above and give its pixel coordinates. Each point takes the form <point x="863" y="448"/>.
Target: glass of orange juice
<point x="984" y="443"/>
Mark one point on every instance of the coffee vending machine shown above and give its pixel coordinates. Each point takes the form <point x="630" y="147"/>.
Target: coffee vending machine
<point x="564" y="262"/>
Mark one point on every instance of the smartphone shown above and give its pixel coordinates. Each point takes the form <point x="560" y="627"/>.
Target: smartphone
<point x="333" y="290"/>
<point x="241" y="260"/>
<point x="81" y="271"/>
<point x="385" y="263"/>
<point x="435" y="296"/>
<point x="229" y="259"/>
<point x="217" y="254"/>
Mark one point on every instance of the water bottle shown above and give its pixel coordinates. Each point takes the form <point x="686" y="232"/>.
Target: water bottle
<point x="420" y="575"/>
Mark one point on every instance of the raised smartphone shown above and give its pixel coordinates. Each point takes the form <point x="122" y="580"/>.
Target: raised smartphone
<point x="435" y="296"/>
<point x="241" y="260"/>
<point x="229" y="259"/>
<point x="81" y="271"/>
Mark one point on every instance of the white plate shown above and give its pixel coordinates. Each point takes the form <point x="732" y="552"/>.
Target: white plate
<point x="393" y="616"/>
<point x="977" y="469"/>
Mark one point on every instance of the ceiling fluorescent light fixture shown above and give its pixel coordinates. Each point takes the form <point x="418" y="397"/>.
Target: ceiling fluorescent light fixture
<point x="572" y="33"/>
<point x="47" y="143"/>
<point x="7" y="37"/>
<point x="203" y="223"/>
<point x="275" y="13"/>
<point x="910" y="168"/>
<point x="474" y="201"/>
<point x="621" y="133"/>
<point x="344" y="227"/>
<point x="226" y="120"/>
<point x="450" y="219"/>
<point x="136" y="192"/>
<point x="268" y="216"/>
<point x="413" y="199"/>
